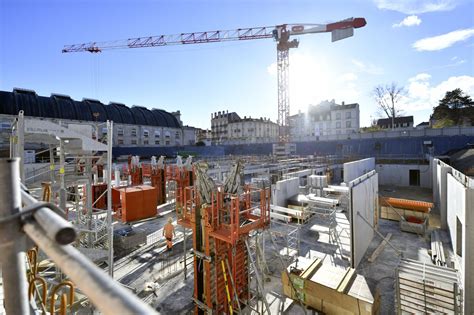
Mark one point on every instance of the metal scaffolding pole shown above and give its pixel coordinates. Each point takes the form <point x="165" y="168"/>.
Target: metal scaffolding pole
<point x="110" y="228"/>
<point x="21" y="144"/>
<point x="62" y="179"/>
<point x="12" y="241"/>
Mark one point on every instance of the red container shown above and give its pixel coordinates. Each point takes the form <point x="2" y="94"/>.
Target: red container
<point x="137" y="203"/>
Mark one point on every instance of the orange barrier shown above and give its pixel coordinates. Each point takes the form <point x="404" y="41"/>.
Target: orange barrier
<point x="415" y="205"/>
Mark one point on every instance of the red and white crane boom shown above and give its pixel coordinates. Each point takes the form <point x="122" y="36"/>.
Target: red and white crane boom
<point x="280" y="33"/>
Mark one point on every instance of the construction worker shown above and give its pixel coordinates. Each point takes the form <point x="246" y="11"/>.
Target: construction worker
<point x="168" y="233"/>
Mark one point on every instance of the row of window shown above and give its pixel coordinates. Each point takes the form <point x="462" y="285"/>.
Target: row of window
<point x="348" y="124"/>
<point x="145" y="142"/>
<point x="146" y="133"/>
<point x="328" y="117"/>
<point x="348" y="115"/>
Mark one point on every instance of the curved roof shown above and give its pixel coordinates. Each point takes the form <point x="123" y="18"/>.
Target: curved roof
<point x="64" y="107"/>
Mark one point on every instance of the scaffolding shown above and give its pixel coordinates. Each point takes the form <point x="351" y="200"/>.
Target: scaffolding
<point x="76" y="163"/>
<point x="42" y="224"/>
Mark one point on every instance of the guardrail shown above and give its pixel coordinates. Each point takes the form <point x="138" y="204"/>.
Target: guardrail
<point x="42" y="224"/>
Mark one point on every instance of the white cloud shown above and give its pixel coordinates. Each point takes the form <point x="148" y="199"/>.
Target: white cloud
<point x="349" y="76"/>
<point x="420" y="77"/>
<point x="421" y="95"/>
<point x="411" y="20"/>
<point x="367" y="67"/>
<point x="443" y="41"/>
<point x="416" y="6"/>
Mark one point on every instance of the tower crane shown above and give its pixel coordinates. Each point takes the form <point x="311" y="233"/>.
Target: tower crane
<point x="280" y="33"/>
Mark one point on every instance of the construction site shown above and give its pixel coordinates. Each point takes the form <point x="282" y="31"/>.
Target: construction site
<point x="351" y="225"/>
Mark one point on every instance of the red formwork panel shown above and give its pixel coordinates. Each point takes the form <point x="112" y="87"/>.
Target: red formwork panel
<point x="137" y="203"/>
<point x="99" y="198"/>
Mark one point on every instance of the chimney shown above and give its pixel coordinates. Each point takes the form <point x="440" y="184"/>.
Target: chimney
<point x="342" y="102"/>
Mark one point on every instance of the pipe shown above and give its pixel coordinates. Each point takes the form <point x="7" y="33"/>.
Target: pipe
<point x="54" y="225"/>
<point x="12" y="241"/>
<point x="106" y="294"/>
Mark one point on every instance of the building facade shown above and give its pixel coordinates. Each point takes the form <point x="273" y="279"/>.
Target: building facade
<point x="327" y="118"/>
<point x="220" y="125"/>
<point x="228" y="128"/>
<point x="133" y="126"/>
<point x="405" y="122"/>
<point x="204" y="136"/>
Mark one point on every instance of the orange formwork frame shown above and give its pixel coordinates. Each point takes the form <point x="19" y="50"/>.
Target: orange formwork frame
<point x="219" y="232"/>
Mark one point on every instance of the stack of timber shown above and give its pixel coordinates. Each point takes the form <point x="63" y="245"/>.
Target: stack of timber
<point x="437" y="250"/>
<point x="392" y="208"/>
<point x="287" y="214"/>
<point x="329" y="289"/>
<point x="427" y="289"/>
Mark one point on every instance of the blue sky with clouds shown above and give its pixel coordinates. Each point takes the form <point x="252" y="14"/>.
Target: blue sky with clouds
<point x="427" y="46"/>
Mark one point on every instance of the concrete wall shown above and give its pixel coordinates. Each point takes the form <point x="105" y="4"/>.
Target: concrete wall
<point x="440" y="172"/>
<point x="399" y="174"/>
<point x="353" y="170"/>
<point x="454" y="194"/>
<point x="283" y="190"/>
<point x="460" y="206"/>
<point x="364" y="202"/>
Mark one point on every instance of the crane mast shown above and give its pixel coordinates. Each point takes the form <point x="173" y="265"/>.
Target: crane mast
<point x="280" y="33"/>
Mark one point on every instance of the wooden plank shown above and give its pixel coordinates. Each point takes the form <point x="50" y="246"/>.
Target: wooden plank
<point x="380" y="248"/>
<point x="431" y="294"/>
<point x="431" y="289"/>
<point x="346" y="281"/>
<point x="312" y="268"/>
<point x="438" y="285"/>
<point x="280" y="216"/>
<point x="430" y="302"/>
<point x="429" y="305"/>
<point x="427" y="274"/>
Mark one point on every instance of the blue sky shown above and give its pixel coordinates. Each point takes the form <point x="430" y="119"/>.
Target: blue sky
<point x="427" y="46"/>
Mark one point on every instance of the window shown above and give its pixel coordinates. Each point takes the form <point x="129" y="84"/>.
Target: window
<point x="145" y="133"/>
<point x="348" y="124"/>
<point x="157" y="133"/>
<point x="134" y="141"/>
<point x="177" y="134"/>
<point x="167" y="142"/>
<point x="348" y="115"/>
<point x="145" y="141"/>
<point x="458" y="237"/>
<point x="120" y="132"/>
<point x="338" y="124"/>
<point x="157" y="142"/>
<point x="134" y="133"/>
<point x="167" y="134"/>
<point x="338" y="116"/>
<point x="120" y="141"/>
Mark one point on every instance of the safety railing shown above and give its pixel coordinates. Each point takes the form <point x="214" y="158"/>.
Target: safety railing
<point x="24" y="222"/>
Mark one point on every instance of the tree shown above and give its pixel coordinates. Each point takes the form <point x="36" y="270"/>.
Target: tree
<point x="453" y="108"/>
<point x="387" y="98"/>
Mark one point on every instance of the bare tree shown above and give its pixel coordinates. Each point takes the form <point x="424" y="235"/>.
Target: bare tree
<point x="387" y="98"/>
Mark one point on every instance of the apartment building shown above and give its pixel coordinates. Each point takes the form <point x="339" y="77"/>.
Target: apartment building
<point x="228" y="128"/>
<point x="326" y="118"/>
